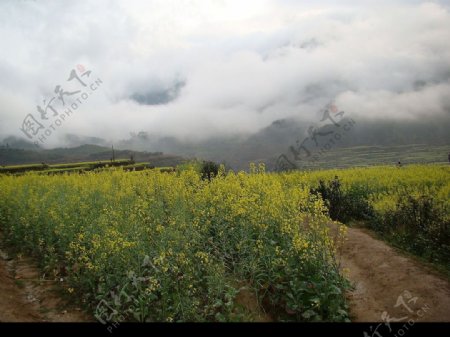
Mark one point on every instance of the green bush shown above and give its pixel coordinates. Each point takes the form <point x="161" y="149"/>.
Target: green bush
<point x="419" y="224"/>
<point x="344" y="205"/>
<point x="209" y="170"/>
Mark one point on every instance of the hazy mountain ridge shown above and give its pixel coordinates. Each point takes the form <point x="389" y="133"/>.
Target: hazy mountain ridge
<point x="87" y="152"/>
<point x="238" y="151"/>
<point x="276" y="139"/>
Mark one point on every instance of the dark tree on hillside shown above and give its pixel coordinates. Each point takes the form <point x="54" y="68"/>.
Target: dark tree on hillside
<point x="209" y="170"/>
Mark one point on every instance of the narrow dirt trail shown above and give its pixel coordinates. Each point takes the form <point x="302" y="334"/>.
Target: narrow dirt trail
<point x="25" y="297"/>
<point x="13" y="307"/>
<point x="387" y="282"/>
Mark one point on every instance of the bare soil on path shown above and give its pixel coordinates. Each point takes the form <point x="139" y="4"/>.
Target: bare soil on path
<point x="26" y="297"/>
<point x="388" y="285"/>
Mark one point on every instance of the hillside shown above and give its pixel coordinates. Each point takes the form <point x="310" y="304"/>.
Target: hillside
<point x="365" y="143"/>
<point x="12" y="156"/>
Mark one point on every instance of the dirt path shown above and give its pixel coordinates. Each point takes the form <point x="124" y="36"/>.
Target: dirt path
<point x="25" y="297"/>
<point x="386" y="281"/>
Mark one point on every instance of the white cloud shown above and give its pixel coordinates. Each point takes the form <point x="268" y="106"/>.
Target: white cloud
<point x="243" y="66"/>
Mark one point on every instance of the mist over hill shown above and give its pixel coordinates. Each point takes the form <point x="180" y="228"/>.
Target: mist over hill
<point x="238" y="151"/>
<point x="84" y="153"/>
<point x="275" y="139"/>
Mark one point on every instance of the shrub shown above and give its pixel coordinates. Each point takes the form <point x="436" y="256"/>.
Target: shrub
<point x="419" y="224"/>
<point x="344" y="205"/>
<point x="209" y="170"/>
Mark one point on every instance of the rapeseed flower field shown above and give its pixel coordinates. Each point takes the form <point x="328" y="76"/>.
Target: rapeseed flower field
<point x="154" y="246"/>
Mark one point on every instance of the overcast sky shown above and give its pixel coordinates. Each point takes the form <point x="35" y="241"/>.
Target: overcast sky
<point x="198" y="68"/>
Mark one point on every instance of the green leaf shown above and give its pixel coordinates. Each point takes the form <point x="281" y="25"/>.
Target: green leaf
<point x="315" y="300"/>
<point x="308" y="314"/>
<point x="336" y="290"/>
